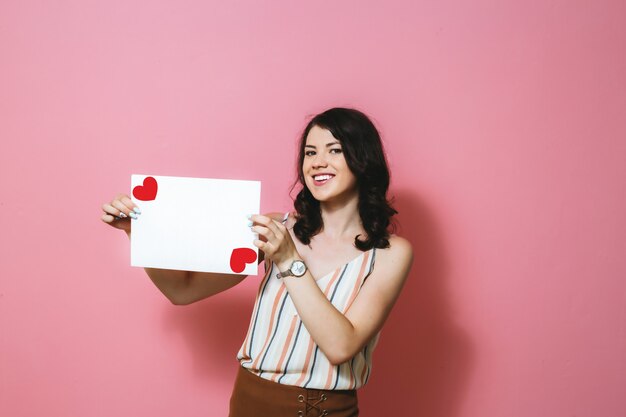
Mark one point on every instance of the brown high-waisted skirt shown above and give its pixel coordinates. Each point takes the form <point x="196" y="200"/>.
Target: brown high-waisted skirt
<point x="254" y="396"/>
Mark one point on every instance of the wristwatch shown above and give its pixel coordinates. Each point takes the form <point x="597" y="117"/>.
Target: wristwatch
<point x="297" y="269"/>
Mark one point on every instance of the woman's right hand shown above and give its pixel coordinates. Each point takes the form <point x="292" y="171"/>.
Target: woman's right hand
<point x="118" y="212"/>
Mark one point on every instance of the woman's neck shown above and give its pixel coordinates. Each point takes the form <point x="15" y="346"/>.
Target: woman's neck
<point x="341" y="220"/>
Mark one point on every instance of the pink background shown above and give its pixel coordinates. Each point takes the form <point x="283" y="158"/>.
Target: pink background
<point x="505" y="125"/>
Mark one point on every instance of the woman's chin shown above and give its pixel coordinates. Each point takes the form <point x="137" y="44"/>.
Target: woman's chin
<point x="321" y="197"/>
<point x="327" y="198"/>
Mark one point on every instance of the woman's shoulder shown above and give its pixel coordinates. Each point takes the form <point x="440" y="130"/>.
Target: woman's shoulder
<point x="397" y="243"/>
<point x="400" y="251"/>
<point x="391" y="269"/>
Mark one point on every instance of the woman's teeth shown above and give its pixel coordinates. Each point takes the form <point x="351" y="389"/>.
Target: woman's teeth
<point x="322" y="179"/>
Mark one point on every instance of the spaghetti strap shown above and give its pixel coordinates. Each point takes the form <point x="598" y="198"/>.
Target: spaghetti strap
<point x="285" y="217"/>
<point x="372" y="262"/>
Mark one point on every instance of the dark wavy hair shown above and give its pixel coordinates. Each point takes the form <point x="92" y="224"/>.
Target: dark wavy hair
<point x="363" y="150"/>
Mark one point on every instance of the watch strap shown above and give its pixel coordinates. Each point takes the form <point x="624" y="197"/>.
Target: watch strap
<point x="289" y="272"/>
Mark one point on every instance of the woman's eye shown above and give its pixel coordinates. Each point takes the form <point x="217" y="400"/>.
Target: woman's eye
<point x="336" y="150"/>
<point x="309" y="153"/>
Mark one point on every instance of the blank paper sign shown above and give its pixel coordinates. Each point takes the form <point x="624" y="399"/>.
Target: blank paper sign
<point x="194" y="224"/>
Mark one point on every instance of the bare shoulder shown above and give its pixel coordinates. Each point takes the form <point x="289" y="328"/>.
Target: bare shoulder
<point x="399" y="250"/>
<point x="399" y="243"/>
<point x="394" y="262"/>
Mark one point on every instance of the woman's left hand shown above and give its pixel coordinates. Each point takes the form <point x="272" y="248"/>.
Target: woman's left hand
<point x="278" y="244"/>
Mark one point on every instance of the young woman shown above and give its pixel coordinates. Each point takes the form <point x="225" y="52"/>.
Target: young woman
<point x="333" y="272"/>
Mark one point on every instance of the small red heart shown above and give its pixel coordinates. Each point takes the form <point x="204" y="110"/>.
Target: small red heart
<point x="240" y="257"/>
<point x="147" y="191"/>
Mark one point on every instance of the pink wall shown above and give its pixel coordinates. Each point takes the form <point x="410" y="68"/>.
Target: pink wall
<point x="505" y="125"/>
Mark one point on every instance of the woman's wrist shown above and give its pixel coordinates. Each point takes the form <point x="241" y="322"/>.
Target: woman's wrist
<point x="285" y="265"/>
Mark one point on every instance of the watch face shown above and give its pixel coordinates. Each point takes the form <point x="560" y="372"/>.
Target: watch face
<point x="298" y="268"/>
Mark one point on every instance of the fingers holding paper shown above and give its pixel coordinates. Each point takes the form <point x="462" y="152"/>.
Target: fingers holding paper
<point x="274" y="239"/>
<point x="119" y="211"/>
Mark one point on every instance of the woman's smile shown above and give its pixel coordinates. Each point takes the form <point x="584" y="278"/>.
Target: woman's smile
<point x="325" y="169"/>
<point x="321" y="179"/>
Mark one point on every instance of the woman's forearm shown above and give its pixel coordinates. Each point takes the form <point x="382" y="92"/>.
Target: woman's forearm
<point x="329" y="328"/>
<point x="186" y="287"/>
<point x="173" y="284"/>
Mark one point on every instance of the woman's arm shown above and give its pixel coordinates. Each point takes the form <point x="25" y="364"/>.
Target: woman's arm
<point x="180" y="287"/>
<point x="341" y="336"/>
<point x="186" y="287"/>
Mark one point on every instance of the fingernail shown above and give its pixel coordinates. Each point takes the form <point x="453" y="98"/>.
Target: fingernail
<point x="249" y="216"/>
<point x="133" y="215"/>
<point x="250" y="224"/>
<point x="136" y="210"/>
<point x="123" y="215"/>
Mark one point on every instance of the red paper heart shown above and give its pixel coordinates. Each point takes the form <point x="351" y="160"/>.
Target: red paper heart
<point x="240" y="257"/>
<point x="147" y="191"/>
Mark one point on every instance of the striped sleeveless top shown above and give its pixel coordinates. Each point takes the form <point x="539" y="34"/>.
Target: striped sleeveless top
<point x="278" y="346"/>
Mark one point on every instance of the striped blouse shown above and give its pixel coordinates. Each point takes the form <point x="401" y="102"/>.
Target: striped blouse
<point x="278" y="346"/>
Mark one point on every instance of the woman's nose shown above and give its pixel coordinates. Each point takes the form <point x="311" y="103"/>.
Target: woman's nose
<point x="320" y="160"/>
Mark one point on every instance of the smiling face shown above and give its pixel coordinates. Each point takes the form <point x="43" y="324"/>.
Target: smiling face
<point x="324" y="167"/>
